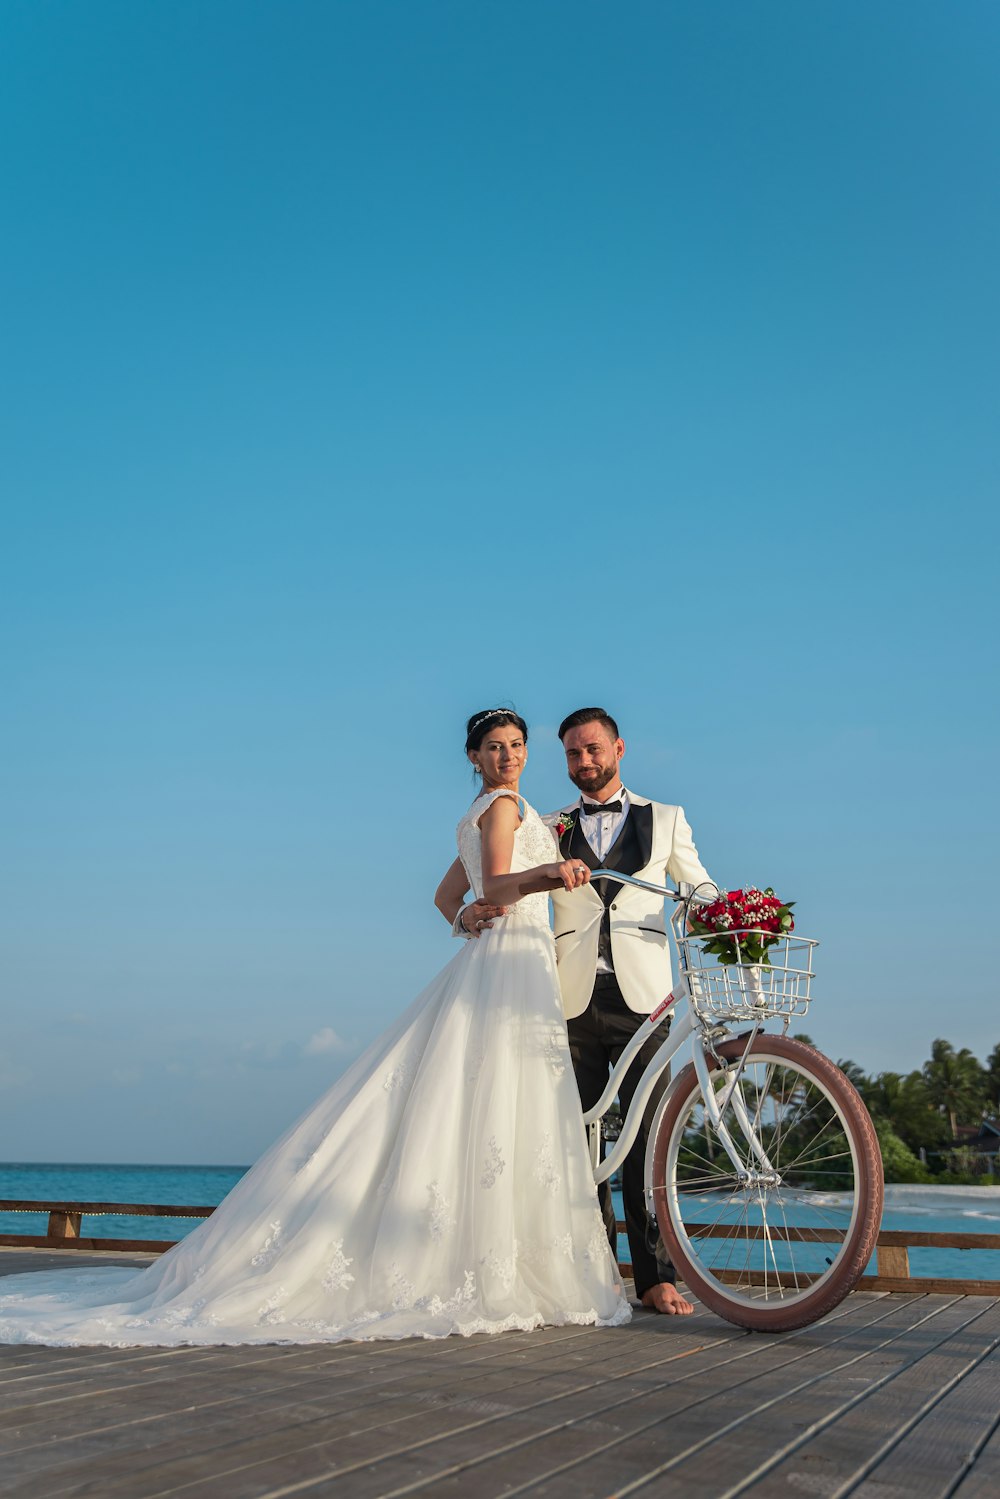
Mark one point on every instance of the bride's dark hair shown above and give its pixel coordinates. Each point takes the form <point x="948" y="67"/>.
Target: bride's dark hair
<point x="481" y="723"/>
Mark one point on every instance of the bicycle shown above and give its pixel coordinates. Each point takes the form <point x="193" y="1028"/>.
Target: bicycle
<point x="763" y="1167"/>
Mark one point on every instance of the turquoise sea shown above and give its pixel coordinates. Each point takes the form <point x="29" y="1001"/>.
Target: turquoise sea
<point x="187" y="1186"/>
<point x="941" y="1209"/>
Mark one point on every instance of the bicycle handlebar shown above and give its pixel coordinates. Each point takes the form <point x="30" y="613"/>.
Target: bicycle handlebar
<point x="684" y="893"/>
<point x="629" y="879"/>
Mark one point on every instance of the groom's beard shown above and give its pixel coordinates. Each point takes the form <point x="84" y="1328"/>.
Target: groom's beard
<point x="593" y="780"/>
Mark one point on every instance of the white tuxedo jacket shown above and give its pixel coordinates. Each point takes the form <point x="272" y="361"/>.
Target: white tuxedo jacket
<point x="640" y="945"/>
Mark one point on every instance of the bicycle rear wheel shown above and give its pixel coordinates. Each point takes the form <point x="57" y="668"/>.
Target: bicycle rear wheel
<point x="784" y="1248"/>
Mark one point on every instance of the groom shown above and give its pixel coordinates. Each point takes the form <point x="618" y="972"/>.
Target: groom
<point x="614" y="956"/>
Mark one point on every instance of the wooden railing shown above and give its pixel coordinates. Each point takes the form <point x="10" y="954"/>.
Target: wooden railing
<point x="65" y="1221"/>
<point x="892" y="1262"/>
<point x="892" y="1259"/>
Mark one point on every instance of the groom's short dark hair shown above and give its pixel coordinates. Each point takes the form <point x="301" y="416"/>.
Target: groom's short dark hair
<point x="589" y="715"/>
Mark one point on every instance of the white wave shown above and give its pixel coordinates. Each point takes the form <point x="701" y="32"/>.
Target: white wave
<point x="962" y="1202"/>
<point x="958" y="1202"/>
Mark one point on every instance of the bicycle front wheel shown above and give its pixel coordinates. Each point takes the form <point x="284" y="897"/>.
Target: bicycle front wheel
<point x="780" y="1243"/>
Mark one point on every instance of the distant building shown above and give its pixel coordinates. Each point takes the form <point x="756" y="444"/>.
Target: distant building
<point x="987" y="1138"/>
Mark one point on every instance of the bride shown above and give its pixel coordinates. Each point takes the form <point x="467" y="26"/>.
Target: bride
<point x="442" y="1185"/>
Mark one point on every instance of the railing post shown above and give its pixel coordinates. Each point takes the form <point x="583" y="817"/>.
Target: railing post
<point x="64" y="1225"/>
<point x="894" y="1260"/>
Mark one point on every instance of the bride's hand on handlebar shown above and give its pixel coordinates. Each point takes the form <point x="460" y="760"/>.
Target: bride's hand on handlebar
<point x="571" y="873"/>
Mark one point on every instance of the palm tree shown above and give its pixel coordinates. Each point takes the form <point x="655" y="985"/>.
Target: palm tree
<point x="992" y="1079"/>
<point x="954" y="1082"/>
<point x="905" y="1103"/>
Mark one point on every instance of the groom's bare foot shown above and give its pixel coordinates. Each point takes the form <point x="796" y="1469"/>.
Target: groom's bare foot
<point x="667" y="1299"/>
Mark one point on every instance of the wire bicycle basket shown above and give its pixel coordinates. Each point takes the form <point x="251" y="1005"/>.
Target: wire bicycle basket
<point x="744" y="990"/>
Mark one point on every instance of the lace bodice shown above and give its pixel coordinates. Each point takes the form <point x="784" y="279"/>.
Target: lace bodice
<point x="534" y="844"/>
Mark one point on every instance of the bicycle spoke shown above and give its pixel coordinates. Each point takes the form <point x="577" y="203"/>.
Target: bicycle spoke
<point x="733" y="1241"/>
<point x="759" y="1239"/>
<point x="784" y="1221"/>
<point x="812" y="1141"/>
<point x="697" y="1186"/>
<point x="821" y="1161"/>
<point x="769" y="1241"/>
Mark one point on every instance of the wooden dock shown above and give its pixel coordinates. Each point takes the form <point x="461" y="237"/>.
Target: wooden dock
<point x="891" y="1395"/>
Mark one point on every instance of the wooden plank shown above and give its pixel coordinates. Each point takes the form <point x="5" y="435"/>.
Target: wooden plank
<point x="983" y="1479"/>
<point x="357" y="1458"/>
<point x="106" y="1209"/>
<point x="800" y="1235"/>
<point x="938" y="1240"/>
<point x="482" y="1415"/>
<point x="21" y="1365"/>
<point x="889" y="1237"/>
<point x="487" y="1349"/>
<point x="765" y="1278"/>
<point x="33" y="1401"/>
<point x="17" y="1261"/>
<point x="430" y="1391"/>
<point x="900" y="1423"/>
<point x="137" y="1440"/>
<point x="754" y="1231"/>
<point x="73" y="1391"/>
<point x="111" y="1372"/>
<point x="90" y="1245"/>
<point x="116" y="1368"/>
<point x="615" y="1339"/>
<point x="126" y="1391"/>
<point x="584" y="1432"/>
<point x="941" y="1446"/>
<point x="720" y="1437"/>
<point x="936" y="1285"/>
<point x="931" y="1285"/>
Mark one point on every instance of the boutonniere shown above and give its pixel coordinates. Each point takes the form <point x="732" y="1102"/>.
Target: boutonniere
<point x="564" y="825"/>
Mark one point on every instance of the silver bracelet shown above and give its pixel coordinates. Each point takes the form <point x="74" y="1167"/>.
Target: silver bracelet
<point x="458" y="926"/>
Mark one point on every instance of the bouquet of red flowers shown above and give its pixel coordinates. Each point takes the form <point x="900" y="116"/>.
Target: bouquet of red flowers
<point x="743" y="924"/>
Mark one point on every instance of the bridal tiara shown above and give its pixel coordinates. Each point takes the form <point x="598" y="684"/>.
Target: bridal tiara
<point x="492" y="713"/>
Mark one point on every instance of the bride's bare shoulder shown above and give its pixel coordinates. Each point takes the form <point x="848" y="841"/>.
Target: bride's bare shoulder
<point x="500" y="809"/>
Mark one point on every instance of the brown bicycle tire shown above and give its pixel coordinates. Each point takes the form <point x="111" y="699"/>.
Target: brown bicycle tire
<point x="857" y="1248"/>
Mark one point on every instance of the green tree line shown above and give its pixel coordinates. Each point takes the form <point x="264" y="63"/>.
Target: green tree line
<point x="923" y="1116"/>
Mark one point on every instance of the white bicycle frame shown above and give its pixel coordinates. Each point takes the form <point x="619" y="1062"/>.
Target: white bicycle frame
<point x="704" y="1036"/>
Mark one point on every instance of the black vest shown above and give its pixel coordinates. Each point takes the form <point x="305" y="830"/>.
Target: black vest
<point x="629" y="852"/>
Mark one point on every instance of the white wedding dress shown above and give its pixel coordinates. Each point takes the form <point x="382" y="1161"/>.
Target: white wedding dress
<point x="441" y="1186"/>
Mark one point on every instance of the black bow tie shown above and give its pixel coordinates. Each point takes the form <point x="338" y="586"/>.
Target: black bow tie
<point x="592" y="809"/>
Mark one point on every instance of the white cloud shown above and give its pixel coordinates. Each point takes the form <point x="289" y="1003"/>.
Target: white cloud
<point x="207" y="1057"/>
<point x="269" y="1054"/>
<point x="323" y="1041"/>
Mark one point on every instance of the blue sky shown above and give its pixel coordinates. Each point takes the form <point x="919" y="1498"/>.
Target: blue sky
<point x="365" y="364"/>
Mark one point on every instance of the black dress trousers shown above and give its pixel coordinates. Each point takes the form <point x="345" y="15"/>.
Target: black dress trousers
<point x="597" y="1039"/>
